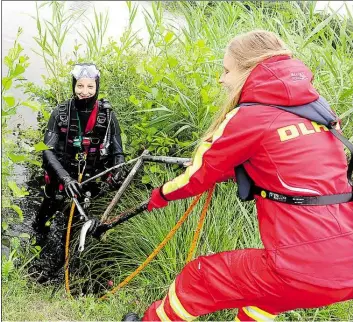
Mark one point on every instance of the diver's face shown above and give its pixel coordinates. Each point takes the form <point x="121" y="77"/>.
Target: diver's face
<point x="85" y="88"/>
<point x="230" y="71"/>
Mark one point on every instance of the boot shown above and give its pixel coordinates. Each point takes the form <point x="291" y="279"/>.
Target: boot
<point x="131" y="317"/>
<point x="45" y="211"/>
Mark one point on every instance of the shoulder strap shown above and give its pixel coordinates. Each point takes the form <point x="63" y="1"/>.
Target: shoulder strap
<point x="63" y="114"/>
<point x="92" y="118"/>
<point x="349" y="146"/>
<point x="101" y="125"/>
<point x="105" y="104"/>
<point x="318" y="111"/>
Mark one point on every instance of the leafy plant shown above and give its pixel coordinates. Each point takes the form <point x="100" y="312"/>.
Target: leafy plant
<point x="13" y="153"/>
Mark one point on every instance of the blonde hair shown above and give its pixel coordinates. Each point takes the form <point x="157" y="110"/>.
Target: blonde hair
<point x="248" y="50"/>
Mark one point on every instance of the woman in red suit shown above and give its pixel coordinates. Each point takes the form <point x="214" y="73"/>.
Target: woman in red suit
<point x="298" y="173"/>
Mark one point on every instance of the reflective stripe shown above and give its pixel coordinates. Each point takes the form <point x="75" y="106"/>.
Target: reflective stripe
<point x="237" y="319"/>
<point x="258" y="314"/>
<point x="161" y="313"/>
<point x="304" y="190"/>
<point x="219" y="132"/>
<point x="184" y="178"/>
<point x="177" y="306"/>
<point x="257" y="309"/>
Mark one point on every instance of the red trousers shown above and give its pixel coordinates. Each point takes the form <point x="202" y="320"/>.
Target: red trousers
<point x="238" y="279"/>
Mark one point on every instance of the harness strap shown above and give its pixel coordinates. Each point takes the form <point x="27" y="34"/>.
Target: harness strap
<point x="349" y="146"/>
<point x="74" y="139"/>
<point x="304" y="200"/>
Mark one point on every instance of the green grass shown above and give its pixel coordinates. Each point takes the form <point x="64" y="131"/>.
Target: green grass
<point x="24" y="300"/>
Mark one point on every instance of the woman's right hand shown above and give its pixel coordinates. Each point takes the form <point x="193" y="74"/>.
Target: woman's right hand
<point x="157" y="200"/>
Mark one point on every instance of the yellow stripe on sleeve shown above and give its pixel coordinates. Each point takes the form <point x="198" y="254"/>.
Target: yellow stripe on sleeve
<point x="184" y="178"/>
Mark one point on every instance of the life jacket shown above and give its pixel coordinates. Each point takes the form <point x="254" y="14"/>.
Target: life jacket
<point x="93" y="137"/>
<point x="319" y="112"/>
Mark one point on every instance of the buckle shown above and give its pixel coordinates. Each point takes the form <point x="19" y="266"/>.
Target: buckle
<point x="101" y="119"/>
<point x="86" y="141"/>
<point x="73" y="128"/>
<point x="80" y="157"/>
<point x="62" y="107"/>
<point x="95" y="140"/>
<point x="63" y="120"/>
<point x="332" y="124"/>
<point x="77" y="142"/>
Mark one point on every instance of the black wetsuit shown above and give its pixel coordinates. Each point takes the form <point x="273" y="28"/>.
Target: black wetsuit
<point x="59" y="165"/>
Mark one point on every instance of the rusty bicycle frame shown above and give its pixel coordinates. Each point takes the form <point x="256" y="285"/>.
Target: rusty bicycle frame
<point x="97" y="228"/>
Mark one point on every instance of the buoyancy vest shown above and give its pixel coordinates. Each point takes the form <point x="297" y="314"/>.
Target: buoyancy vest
<point x="92" y="141"/>
<point x="319" y="112"/>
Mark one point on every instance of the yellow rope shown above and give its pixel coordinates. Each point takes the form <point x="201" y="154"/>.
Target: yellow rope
<point x="199" y="225"/>
<point x="67" y="243"/>
<point x="156" y="251"/>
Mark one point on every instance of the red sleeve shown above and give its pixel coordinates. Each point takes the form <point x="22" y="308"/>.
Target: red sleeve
<point x="234" y="142"/>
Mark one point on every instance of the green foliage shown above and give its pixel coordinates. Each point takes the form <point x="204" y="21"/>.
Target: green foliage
<point x="25" y="300"/>
<point x="13" y="153"/>
<point x="16" y="64"/>
<point x="41" y="146"/>
<point x="10" y="264"/>
<point x="16" y="191"/>
<point x="166" y="93"/>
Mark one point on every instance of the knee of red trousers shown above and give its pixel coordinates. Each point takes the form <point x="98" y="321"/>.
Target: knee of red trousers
<point x="151" y="313"/>
<point x="191" y="290"/>
<point x="189" y="280"/>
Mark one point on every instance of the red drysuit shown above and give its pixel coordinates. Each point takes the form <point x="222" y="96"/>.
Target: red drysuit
<point x="308" y="255"/>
